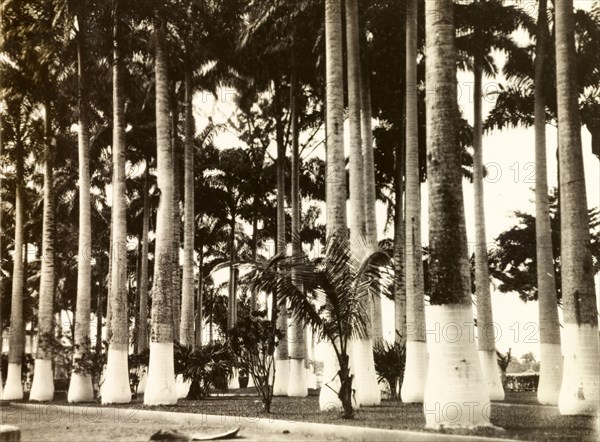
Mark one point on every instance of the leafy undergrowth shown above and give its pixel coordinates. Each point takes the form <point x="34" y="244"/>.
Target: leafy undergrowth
<point x="519" y="419"/>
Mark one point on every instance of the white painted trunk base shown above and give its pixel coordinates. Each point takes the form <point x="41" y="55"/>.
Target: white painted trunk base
<point x="328" y="399"/>
<point x="13" y="389"/>
<point x="80" y="388"/>
<point x="115" y="388"/>
<point x="182" y="387"/>
<point x="142" y="385"/>
<point x="282" y="375"/>
<point x="297" y="385"/>
<point x="580" y="390"/>
<point x="160" y="386"/>
<point x="456" y="394"/>
<point x="551" y="366"/>
<point x="251" y="382"/>
<point x="234" y="380"/>
<point x="368" y="392"/>
<point x="415" y="373"/>
<point x="42" y="387"/>
<point x="491" y="374"/>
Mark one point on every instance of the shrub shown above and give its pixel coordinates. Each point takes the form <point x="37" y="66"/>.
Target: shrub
<point x="522" y="381"/>
<point x="390" y="360"/>
<point x="207" y="367"/>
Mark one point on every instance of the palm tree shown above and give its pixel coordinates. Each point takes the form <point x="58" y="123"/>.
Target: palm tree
<point x="14" y="387"/>
<point x="80" y="387"/>
<point x="186" y="333"/>
<point x="115" y="388"/>
<point x="551" y="354"/>
<point x="160" y="387"/>
<point x="282" y="365"/>
<point x="335" y="307"/>
<point x="297" y="330"/>
<point x="42" y="387"/>
<point x="413" y="387"/>
<point x="335" y="181"/>
<point x="454" y="374"/>
<point x="367" y="390"/>
<point x="142" y="332"/>
<point x="580" y="390"/>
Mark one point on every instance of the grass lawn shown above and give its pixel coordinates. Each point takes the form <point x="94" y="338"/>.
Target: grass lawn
<point x="518" y="417"/>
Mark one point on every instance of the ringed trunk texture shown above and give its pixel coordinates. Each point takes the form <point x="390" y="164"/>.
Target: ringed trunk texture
<point x="297" y="340"/>
<point x="280" y="385"/>
<point x="42" y="387"/>
<point x="115" y="388"/>
<point x="80" y="387"/>
<point x="13" y="389"/>
<point x="580" y="390"/>
<point x="486" y="339"/>
<point x="143" y="313"/>
<point x="335" y="183"/>
<point x="160" y="386"/>
<point x="454" y="377"/>
<point x="413" y="387"/>
<point x="362" y="365"/>
<point x="550" y="349"/>
<point x="186" y="333"/>
<point x="176" y="219"/>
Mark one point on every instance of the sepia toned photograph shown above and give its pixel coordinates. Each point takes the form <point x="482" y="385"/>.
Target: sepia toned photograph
<point x="299" y="220"/>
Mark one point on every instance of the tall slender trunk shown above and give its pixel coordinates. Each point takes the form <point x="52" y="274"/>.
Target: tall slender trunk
<point x="14" y="388"/>
<point x="187" y="297"/>
<point x="176" y="217"/>
<point x="253" y="292"/>
<point x="580" y="390"/>
<point x="551" y="354"/>
<point x="280" y="386"/>
<point x="413" y="386"/>
<point x="297" y="341"/>
<point x="335" y="181"/>
<point x="454" y="374"/>
<point x="80" y="388"/>
<point x="143" y="287"/>
<point x="42" y="388"/>
<point x="200" y="300"/>
<point x="369" y="180"/>
<point x="115" y="388"/>
<point x="486" y="340"/>
<point x="363" y="365"/>
<point x="98" y="319"/>
<point x="232" y="304"/>
<point x="160" y="386"/>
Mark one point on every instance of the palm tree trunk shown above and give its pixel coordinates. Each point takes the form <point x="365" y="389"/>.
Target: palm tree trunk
<point x="13" y="389"/>
<point x="550" y="350"/>
<point x="335" y="181"/>
<point x="115" y="388"/>
<point x="42" y="387"/>
<point x="413" y="386"/>
<point x="280" y="385"/>
<point x="580" y="390"/>
<point x="253" y="293"/>
<point x="143" y="312"/>
<point x="160" y="387"/>
<point x="369" y="182"/>
<point x="485" y="320"/>
<point x="297" y="340"/>
<point x="187" y="300"/>
<point x="454" y="374"/>
<point x="367" y="390"/>
<point x="232" y="304"/>
<point x="200" y="301"/>
<point x="80" y="388"/>
<point x="176" y="219"/>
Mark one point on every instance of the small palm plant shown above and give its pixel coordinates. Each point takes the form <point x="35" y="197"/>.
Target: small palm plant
<point x="331" y="295"/>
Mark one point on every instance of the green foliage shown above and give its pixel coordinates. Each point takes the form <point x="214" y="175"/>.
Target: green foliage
<point x="513" y="260"/>
<point x="390" y="362"/>
<point x="209" y="366"/>
<point x="253" y="341"/>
